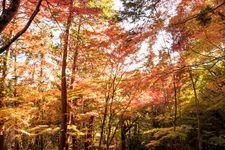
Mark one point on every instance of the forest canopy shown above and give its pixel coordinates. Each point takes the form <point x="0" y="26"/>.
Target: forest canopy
<point x="112" y="74"/>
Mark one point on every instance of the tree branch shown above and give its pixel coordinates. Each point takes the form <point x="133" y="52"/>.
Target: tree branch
<point x="9" y="13"/>
<point x="35" y="12"/>
<point x="195" y="16"/>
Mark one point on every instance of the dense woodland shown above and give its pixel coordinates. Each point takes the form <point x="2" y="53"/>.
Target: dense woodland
<point x="89" y="75"/>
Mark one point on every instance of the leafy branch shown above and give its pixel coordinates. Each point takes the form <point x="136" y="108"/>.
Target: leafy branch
<point x="35" y="12"/>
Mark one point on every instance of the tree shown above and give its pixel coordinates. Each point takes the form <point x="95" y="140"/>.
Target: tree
<point x="160" y="80"/>
<point x="63" y="134"/>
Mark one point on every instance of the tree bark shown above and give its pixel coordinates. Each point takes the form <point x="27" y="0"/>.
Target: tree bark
<point x="63" y="130"/>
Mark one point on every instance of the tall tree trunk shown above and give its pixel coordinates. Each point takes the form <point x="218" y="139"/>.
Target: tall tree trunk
<point x="71" y="86"/>
<point x="63" y="130"/>
<point x="15" y="76"/>
<point x="123" y="136"/>
<point x="197" y="109"/>
<point x="1" y="137"/>
<point x="74" y="143"/>
<point x="75" y="57"/>
<point x="109" y="123"/>
<point x="175" y="102"/>
<point x="88" y="142"/>
<point x="175" y="92"/>
<point x="17" y="144"/>
<point x="103" y="122"/>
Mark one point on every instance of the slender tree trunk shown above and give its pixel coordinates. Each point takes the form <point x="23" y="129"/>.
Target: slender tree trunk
<point x="75" y="57"/>
<point x="72" y="118"/>
<point x="123" y="136"/>
<point x="39" y="142"/>
<point x="197" y="109"/>
<point x="15" y="76"/>
<point x="71" y="86"/>
<point x="74" y="143"/>
<point x="108" y="140"/>
<point x="40" y="77"/>
<point x="63" y="130"/>
<point x="175" y="102"/>
<point x="109" y="132"/>
<point x="103" y="122"/>
<point x="175" y="93"/>
<point x="88" y="143"/>
<point x="175" y="108"/>
<point x="1" y="138"/>
<point x="17" y="144"/>
<point x="110" y="96"/>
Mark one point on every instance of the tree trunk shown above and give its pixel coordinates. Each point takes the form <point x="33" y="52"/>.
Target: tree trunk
<point x="88" y="142"/>
<point x="197" y="109"/>
<point x="123" y="136"/>
<point x="103" y="122"/>
<point x="39" y="142"/>
<point x="75" y="56"/>
<point x="2" y="137"/>
<point x="17" y="145"/>
<point x="175" y="103"/>
<point x="63" y="130"/>
<point x="74" y="143"/>
<point x="71" y="86"/>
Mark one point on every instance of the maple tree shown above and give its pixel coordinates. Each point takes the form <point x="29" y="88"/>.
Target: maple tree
<point x="74" y="75"/>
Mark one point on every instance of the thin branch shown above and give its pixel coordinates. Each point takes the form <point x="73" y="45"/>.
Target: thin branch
<point x="35" y="12"/>
<point x="195" y="16"/>
<point x="50" y="11"/>
<point x="210" y="56"/>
